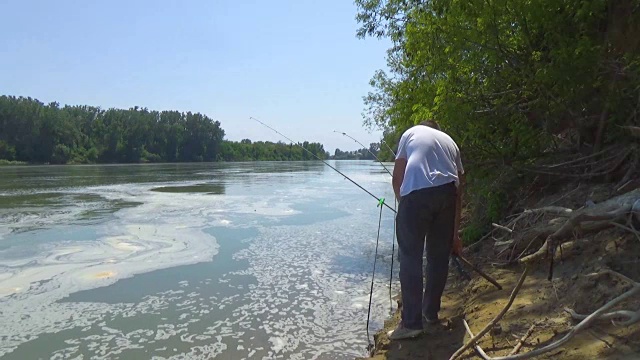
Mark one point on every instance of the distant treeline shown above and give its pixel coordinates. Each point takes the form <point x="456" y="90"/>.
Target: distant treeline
<point x="33" y="132"/>
<point x="360" y="154"/>
<point x="245" y="150"/>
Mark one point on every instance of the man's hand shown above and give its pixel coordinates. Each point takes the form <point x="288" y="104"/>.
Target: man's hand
<point x="398" y="175"/>
<point x="457" y="245"/>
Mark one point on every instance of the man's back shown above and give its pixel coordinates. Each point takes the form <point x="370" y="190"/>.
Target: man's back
<point x="433" y="159"/>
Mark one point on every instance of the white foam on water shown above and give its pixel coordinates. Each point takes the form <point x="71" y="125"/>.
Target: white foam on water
<point x="300" y="307"/>
<point x="142" y="239"/>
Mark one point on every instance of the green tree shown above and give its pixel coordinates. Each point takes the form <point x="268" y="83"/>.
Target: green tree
<point x="506" y="77"/>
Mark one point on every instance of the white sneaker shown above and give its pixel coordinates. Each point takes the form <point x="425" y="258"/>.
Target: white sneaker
<point x="403" y="333"/>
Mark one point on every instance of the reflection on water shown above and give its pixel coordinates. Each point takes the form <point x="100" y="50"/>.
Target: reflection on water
<point x="198" y="188"/>
<point x="249" y="260"/>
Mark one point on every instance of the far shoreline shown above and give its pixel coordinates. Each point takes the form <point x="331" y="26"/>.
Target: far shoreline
<point x="7" y="163"/>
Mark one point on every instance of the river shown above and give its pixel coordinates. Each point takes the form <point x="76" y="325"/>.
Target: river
<point x="190" y="261"/>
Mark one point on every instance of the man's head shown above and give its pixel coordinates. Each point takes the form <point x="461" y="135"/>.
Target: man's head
<point x="431" y="124"/>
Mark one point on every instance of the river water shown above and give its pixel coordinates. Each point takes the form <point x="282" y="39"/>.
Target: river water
<point x="191" y="261"/>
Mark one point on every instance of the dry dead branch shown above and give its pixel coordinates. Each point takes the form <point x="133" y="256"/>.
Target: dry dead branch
<point x="476" y="347"/>
<point x="594" y="218"/>
<point x="587" y="320"/>
<point x="522" y="340"/>
<point x="502" y="228"/>
<point x="495" y="320"/>
<point x="630" y="317"/>
<point x="598" y="164"/>
<point x="630" y="229"/>
<point x="633" y="130"/>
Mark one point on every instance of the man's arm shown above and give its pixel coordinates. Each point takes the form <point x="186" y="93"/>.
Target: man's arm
<point x="457" y="243"/>
<point x="398" y="176"/>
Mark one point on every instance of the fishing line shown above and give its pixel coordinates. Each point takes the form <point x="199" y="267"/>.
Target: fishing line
<point x="395" y="206"/>
<point x="380" y="203"/>
<point x="369" y="151"/>
<point x="393" y="250"/>
<point x="326" y="163"/>
<point x="388" y="147"/>
<point x="373" y="275"/>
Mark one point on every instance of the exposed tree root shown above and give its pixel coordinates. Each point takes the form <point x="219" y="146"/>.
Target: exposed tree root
<point x="578" y="222"/>
<point x="629" y="317"/>
<point x="587" y="320"/>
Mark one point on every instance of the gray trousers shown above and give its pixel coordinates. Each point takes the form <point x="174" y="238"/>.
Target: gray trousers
<point x="426" y="213"/>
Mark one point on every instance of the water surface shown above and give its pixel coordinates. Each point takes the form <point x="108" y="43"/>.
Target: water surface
<point x="243" y="260"/>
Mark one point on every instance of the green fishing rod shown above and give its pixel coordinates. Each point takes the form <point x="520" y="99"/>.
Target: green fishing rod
<point x="393" y="243"/>
<point x="380" y="200"/>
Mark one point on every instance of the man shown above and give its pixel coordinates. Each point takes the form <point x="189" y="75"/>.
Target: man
<point x="428" y="182"/>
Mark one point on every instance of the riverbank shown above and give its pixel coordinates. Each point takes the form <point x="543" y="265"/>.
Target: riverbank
<point x="540" y="305"/>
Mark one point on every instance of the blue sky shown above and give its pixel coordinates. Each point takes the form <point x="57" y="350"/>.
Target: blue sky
<point x="296" y="65"/>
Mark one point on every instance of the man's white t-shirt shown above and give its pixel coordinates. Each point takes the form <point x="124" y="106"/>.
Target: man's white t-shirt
<point x="433" y="159"/>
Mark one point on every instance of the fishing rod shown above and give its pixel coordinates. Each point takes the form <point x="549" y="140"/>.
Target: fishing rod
<point x="380" y="200"/>
<point x="393" y="243"/>
<point x="388" y="147"/>
<point x="369" y="151"/>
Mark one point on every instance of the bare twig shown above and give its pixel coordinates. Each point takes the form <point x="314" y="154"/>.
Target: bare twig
<point x="606" y="169"/>
<point x="634" y="231"/>
<point x="627" y="176"/>
<point x="555" y="290"/>
<point x="592" y="333"/>
<point x="633" y="130"/>
<point x="476" y="347"/>
<point x="502" y="228"/>
<point x="614" y="274"/>
<point x="584" y="324"/>
<point x="477" y="243"/>
<point x="573" y="222"/>
<point x="578" y="160"/>
<point x="565" y="195"/>
<point x="495" y="320"/>
<point x="479" y="271"/>
<point x="555" y="210"/>
<point x="522" y="340"/>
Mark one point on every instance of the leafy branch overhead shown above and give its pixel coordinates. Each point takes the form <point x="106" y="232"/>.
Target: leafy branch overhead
<point x="509" y="79"/>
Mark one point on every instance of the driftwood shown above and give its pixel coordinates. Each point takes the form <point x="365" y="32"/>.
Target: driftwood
<point x="583" y="325"/>
<point x="536" y="239"/>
